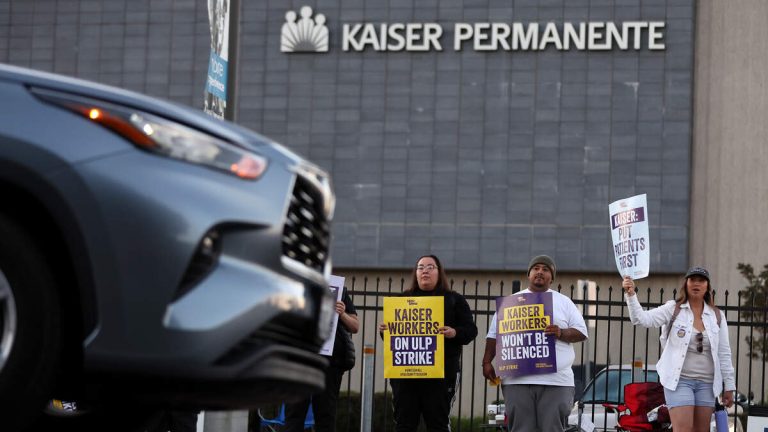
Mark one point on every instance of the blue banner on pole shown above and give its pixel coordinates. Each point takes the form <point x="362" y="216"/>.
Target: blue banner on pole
<point x="217" y="76"/>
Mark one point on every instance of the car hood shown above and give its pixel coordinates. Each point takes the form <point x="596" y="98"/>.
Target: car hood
<point x="194" y="118"/>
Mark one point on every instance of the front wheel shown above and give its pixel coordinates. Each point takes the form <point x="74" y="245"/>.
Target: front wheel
<point x="30" y="334"/>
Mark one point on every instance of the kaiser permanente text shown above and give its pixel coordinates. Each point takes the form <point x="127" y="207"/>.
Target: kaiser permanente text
<point x="590" y="36"/>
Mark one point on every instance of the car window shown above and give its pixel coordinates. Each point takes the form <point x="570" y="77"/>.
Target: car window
<point x="608" y="386"/>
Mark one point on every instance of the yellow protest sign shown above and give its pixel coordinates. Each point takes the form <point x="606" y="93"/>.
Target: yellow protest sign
<point x="413" y="348"/>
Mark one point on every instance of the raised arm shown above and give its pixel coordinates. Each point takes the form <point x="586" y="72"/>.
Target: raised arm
<point x="656" y="317"/>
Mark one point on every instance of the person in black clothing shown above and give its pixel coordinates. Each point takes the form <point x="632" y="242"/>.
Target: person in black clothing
<point x="324" y="403"/>
<point x="432" y="398"/>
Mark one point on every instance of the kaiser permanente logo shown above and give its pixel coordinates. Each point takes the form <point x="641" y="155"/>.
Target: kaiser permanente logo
<point x="304" y="33"/>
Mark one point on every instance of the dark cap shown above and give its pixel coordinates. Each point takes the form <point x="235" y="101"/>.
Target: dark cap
<point x="543" y="259"/>
<point x="697" y="271"/>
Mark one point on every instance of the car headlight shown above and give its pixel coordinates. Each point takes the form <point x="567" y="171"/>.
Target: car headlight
<point x="162" y="136"/>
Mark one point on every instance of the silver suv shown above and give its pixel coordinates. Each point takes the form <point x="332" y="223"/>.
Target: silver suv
<point x="152" y="256"/>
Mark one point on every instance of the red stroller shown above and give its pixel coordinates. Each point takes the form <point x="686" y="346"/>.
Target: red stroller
<point x="640" y="399"/>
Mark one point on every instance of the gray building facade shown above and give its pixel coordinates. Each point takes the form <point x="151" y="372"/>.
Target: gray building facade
<point x="483" y="157"/>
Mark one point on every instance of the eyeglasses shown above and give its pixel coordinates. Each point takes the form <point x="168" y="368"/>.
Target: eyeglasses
<point x="428" y="267"/>
<point x="700" y="342"/>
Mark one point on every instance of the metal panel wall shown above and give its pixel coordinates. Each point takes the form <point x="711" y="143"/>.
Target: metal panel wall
<point x="484" y="158"/>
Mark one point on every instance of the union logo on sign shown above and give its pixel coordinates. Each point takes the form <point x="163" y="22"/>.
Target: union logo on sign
<point x="303" y="33"/>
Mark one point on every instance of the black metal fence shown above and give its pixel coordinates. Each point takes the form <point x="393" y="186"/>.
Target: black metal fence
<point x="613" y="340"/>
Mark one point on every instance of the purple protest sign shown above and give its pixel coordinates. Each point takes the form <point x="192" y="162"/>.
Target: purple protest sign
<point x="522" y="348"/>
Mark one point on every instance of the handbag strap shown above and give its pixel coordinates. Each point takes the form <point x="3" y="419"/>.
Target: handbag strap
<point x="677" y="312"/>
<point x="674" y="317"/>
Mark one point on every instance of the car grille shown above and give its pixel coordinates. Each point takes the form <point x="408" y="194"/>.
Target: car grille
<point x="285" y="330"/>
<point x="306" y="235"/>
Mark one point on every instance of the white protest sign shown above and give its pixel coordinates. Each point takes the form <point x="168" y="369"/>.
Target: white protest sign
<point x="337" y="287"/>
<point x="629" y="230"/>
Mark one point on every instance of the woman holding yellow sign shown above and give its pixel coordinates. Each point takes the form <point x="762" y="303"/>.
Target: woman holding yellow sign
<point x="432" y="397"/>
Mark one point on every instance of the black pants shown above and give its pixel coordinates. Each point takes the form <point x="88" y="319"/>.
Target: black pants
<point x="323" y="406"/>
<point x="430" y="398"/>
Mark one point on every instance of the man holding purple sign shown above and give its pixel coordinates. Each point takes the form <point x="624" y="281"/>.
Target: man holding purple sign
<point x="535" y="353"/>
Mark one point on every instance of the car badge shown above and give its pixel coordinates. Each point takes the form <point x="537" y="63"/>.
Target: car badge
<point x="681" y="333"/>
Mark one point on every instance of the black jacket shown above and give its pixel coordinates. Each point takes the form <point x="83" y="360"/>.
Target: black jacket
<point x="457" y="315"/>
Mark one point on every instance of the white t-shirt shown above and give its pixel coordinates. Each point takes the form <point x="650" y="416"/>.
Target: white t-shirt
<point x="564" y="315"/>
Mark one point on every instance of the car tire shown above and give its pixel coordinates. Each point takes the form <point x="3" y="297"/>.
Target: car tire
<point x="30" y="327"/>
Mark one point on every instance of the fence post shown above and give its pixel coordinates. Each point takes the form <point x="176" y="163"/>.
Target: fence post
<point x="200" y="422"/>
<point x="366" y="407"/>
<point x="586" y="292"/>
<point x="226" y="421"/>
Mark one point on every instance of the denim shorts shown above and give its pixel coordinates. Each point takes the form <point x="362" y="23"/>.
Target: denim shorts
<point x="690" y="392"/>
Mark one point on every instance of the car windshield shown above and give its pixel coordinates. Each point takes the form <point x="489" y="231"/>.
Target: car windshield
<point x="608" y="386"/>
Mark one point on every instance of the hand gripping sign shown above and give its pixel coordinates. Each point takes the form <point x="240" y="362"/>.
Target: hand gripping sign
<point x="629" y="231"/>
<point x="336" y="286"/>
<point x="413" y="347"/>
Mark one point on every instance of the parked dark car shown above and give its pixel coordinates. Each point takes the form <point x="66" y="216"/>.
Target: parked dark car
<point x="151" y="256"/>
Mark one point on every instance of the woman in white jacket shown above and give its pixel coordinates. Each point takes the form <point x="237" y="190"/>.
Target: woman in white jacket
<point x="695" y="365"/>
